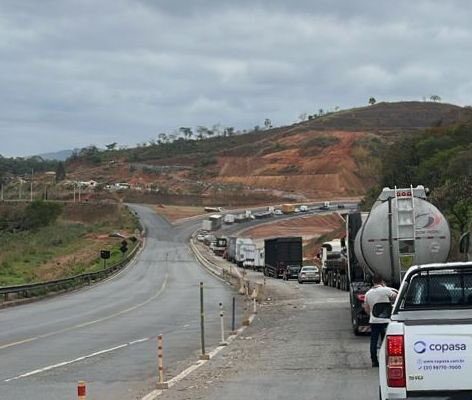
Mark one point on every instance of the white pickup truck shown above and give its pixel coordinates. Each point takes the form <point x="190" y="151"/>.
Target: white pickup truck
<point x="427" y="350"/>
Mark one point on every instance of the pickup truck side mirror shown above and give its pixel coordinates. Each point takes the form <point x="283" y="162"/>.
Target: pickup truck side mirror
<point x="382" y="310"/>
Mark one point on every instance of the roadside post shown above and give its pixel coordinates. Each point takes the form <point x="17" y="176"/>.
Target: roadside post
<point x="233" y="317"/>
<point x="203" y="356"/>
<point x="254" y="306"/>
<point x="222" y="326"/>
<point x="161" y="384"/>
<point x="81" y="391"/>
<point x="246" y="321"/>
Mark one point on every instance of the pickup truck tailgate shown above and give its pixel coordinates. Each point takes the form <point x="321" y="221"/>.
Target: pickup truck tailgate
<point x="438" y="357"/>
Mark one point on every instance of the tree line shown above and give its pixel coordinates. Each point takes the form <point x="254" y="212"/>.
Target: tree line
<point x="439" y="159"/>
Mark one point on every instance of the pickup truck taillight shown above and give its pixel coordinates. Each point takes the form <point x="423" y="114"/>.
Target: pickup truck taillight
<point x="395" y="359"/>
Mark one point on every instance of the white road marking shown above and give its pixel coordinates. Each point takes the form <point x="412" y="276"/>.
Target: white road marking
<point x="62" y="364"/>
<point x="6" y="346"/>
<point x="176" y="379"/>
<point x="88" y="323"/>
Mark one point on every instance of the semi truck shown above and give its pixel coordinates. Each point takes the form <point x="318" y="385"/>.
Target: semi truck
<point x="334" y="271"/>
<point x="219" y="246"/>
<point x="228" y="219"/>
<point x="253" y="257"/>
<point x="213" y="222"/>
<point x="288" y="208"/>
<point x="213" y="209"/>
<point x="325" y="205"/>
<point x="281" y="254"/>
<point x="402" y="229"/>
<point x="235" y="250"/>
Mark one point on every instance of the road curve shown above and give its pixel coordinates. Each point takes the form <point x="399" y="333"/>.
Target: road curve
<point x="105" y="334"/>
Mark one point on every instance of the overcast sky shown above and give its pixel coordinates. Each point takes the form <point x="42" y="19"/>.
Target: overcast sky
<point x="80" y="72"/>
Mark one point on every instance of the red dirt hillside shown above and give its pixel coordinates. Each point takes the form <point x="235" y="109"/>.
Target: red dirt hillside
<point x="322" y="158"/>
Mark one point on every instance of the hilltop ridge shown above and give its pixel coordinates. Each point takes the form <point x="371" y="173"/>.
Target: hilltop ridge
<point x="334" y="155"/>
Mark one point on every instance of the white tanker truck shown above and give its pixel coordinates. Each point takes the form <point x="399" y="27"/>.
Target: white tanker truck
<point x="401" y="230"/>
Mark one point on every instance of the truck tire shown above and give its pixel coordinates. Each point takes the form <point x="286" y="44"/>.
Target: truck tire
<point x="355" y="327"/>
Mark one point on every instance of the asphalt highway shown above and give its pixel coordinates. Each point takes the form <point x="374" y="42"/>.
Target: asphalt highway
<point x="105" y="334"/>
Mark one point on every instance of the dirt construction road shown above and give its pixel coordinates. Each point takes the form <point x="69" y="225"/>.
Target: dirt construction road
<point x="300" y="347"/>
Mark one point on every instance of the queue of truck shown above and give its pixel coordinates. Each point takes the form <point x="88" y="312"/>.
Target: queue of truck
<point x="406" y="240"/>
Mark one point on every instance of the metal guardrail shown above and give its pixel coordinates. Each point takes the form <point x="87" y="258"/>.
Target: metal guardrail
<point x="41" y="288"/>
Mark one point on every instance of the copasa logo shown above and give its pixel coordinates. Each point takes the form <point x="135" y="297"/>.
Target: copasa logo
<point x="420" y="347"/>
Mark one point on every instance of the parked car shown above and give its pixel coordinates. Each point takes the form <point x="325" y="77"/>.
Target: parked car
<point x="200" y="237"/>
<point x="291" y="272"/>
<point x="309" y="273"/>
<point x="278" y="212"/>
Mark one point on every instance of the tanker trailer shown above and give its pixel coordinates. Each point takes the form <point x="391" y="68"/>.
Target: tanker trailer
<point x="401" y="230"/>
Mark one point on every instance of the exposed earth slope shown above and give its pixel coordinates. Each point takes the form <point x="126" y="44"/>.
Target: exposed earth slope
<point x="335" y="155"/>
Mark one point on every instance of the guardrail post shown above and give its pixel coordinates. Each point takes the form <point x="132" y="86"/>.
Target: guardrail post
<point x="254" y="306"/>
<point x="203" y="356"/>
<point x="160" y="358"/>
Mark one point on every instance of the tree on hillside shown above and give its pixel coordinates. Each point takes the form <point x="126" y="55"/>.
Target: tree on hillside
<point x="267" y="123"/>
<point x="201" y="132"/>
<point x="162" y="137"/>
<point x="187" y="132"/>
<point x="302" y="117"/>
<point x="320" y="112"/>
<point x="60" y="172"/>
<point x="372" y="101"/>
<point x="38" y="214"/>
<point x="435" y="98"/>
<point x="217" y="130"/>
<point x="455" y="197"/>
<point x="229" y="131"/>
<point x="111" y="146"/>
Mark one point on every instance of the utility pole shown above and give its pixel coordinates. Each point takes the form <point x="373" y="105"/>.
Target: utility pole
<point x="31" y="192"/>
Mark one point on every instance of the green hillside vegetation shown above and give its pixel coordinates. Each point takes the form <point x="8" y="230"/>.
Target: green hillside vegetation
<point x="43" y="241"/>
<point x="441" y="160"/>
<point x="24" y="166"/>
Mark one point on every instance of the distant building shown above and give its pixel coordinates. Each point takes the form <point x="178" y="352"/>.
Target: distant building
<point x="87" y="184"/>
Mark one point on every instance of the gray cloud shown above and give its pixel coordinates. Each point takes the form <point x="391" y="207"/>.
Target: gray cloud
<point x="79" y="73"/>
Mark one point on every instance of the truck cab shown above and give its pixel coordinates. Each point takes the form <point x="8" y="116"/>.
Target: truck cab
<point x="427" y="350"/>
